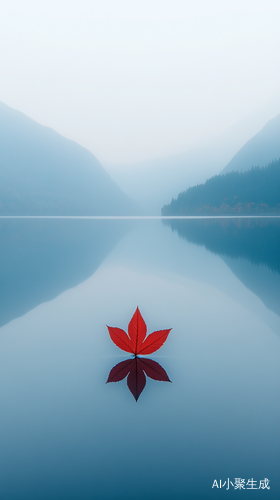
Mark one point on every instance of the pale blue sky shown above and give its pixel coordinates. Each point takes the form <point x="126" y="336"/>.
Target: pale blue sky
<point x="136" y="79"/>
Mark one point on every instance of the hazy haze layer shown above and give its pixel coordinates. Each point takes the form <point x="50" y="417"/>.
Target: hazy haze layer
<point x="132" y="81"/>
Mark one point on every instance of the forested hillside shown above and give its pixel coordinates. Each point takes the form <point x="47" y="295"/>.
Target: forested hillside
<point x="256" y="191"/>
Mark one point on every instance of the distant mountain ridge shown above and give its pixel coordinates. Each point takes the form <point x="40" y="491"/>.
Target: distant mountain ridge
<point x="43" y="173"/>
<point x="263" y="148"/>
<point x="246" y="188"/>
<point x="152" y="183"/>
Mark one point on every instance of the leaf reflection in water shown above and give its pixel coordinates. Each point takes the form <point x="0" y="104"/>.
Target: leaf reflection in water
<point x="134" y="369"/>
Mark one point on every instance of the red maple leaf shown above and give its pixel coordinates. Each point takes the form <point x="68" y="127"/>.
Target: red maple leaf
<point x="134" y="369"/>
<point x="136" y="341"/>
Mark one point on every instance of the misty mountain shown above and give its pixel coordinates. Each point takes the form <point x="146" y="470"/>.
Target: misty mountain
<point x="250" y="248"/>
<point x="40" y="259"/>
<point x="263" y="148"/>
<point x="153" y="183"/>
<point x="43" y="173"/>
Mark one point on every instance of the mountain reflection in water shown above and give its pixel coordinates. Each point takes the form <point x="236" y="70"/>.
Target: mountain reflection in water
<point x="64" y="433"/>
<point x="134" y="369"/>
<point x="249" y="246"/>
<point x="39" y="259"/>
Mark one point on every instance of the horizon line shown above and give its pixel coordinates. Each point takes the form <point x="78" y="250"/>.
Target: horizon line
<point x="138" y="217"/>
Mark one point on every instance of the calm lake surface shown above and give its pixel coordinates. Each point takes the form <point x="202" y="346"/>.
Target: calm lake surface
<point x="66" y="434"/>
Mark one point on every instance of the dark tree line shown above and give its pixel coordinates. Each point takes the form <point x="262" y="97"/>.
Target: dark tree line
<point x="256" y="191"/>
